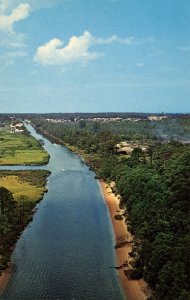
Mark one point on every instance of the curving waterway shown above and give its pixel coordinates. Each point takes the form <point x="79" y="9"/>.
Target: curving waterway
<point x="67" y="251"/>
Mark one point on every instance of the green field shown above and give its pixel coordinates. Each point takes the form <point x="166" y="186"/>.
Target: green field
<point x="21" y="149"/>
<point x="28" y="185"/>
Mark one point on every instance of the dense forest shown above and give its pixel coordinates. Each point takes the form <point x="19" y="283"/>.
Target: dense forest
<point x="156" y="192"/>
<point x="155" y="189"/>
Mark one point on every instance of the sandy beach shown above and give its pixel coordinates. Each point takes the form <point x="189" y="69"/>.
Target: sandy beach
<point x="134" y="289"/>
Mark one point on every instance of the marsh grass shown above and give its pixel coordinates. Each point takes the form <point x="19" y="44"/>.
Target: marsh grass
<point x="28" y="184"/>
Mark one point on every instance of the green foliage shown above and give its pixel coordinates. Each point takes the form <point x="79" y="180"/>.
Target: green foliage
<point x="87" y="137"/>
<point x="157" y="196"/>
<point x="82" y="124"/>
<point x="7" y="204"/>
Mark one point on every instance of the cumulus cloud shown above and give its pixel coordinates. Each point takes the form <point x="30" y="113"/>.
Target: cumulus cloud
<point x="77" y="49"/>
<point x="19" y="13"/>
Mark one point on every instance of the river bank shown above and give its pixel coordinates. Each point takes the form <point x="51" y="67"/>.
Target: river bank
<point x="134" y="289"/>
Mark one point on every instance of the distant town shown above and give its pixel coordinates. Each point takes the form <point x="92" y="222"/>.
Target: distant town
<point x="108" y="119"/>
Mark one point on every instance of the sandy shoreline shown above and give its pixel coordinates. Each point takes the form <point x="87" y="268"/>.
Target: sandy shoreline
<point x="134" y="289"/>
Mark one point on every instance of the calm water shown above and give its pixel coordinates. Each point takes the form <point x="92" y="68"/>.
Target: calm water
<point x="67" y="251"/>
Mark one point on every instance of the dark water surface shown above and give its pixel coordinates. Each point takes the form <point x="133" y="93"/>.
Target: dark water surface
<point x="67" y="251"/>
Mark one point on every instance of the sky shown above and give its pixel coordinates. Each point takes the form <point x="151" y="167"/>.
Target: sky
<point x="94" y="56"/>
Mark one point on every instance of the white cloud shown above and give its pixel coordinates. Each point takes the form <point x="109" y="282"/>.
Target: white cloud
<point x="112" y="39"/>
<point x="18" y="53"/>
<point x="11" y="42"/>
<point x="77" y="49"/>
<point x="7" y="58"/>
<point x="3" y="5"/>
<point x="9" y="5"/>
<point x="19" y="13"/>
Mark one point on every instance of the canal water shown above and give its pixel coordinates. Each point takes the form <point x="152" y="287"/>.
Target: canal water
<point x="67" y="251"/>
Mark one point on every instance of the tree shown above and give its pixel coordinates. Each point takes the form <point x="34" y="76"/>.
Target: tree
<point x="95" y="127"/>
<point x="136" y="154"/>
<point x="82" y="124"/>
<point x="7" y="203"/>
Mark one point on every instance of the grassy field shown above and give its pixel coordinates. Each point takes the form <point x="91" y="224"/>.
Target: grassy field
<point x="21" y="189"/>
<point x="21" y="149"/>
<point x="29" y="185"/>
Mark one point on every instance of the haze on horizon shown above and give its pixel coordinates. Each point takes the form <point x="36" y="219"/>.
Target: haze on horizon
<point x="94" y="56"/>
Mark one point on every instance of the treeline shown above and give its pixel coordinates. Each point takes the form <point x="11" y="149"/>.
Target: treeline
<point x="97" y="144"/>
<point x="78" y="115"/>
<point x="155" y="188"/>
<point x="13" y="218"/>
<point x="143" y="131"/>
<point x="164" y="130"/>
<point x="86" y="115"/>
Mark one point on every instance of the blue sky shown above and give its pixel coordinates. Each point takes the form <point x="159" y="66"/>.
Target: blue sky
<point x="94" y="55"/>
